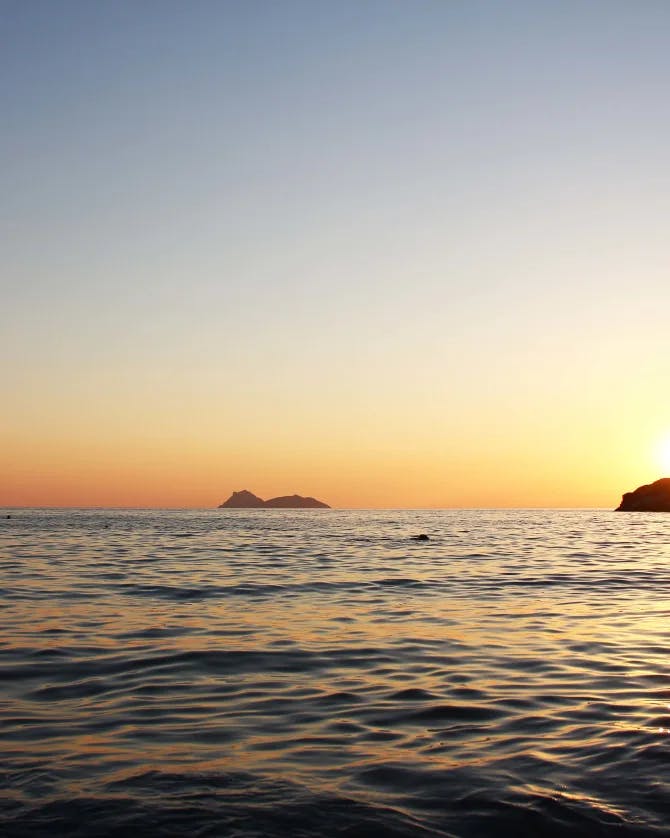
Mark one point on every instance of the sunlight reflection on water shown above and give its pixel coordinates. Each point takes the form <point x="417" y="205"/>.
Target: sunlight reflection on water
<point x="230" y="667"/>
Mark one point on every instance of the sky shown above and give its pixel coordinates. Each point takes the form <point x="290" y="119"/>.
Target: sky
<point x="387" y="254"/>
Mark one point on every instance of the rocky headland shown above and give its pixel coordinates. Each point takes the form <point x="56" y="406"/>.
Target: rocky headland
<point x="653" y="497"/>
<point x="247" y="500"/>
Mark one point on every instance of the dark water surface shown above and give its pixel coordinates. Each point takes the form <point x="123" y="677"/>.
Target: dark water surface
<point x="304" y="673"/>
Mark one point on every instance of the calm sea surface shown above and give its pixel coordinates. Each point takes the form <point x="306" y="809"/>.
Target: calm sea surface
<point x="318" y="673"/>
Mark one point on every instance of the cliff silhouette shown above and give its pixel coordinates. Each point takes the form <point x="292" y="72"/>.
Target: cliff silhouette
<point x="652" y="497"/>
<point x="247" y="500"/>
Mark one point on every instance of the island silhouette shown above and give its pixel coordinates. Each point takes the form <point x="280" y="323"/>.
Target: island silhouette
<point x="247" y="500"/>
<point x="652" y="497"/>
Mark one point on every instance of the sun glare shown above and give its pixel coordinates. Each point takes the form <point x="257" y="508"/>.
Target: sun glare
<point x="663" y="455"/>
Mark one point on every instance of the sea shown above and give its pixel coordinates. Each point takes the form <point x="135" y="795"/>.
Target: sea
<point x="253" y="673"/>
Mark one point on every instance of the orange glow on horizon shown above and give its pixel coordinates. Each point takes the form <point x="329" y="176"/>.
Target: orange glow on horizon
<point x="183" y="474"/>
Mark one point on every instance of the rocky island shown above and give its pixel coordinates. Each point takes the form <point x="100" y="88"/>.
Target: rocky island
<point x="247" y="500"/>
<point x="653" y="497"/>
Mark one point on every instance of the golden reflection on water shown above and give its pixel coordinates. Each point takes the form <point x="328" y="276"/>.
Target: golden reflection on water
<point x="322" y="664"/>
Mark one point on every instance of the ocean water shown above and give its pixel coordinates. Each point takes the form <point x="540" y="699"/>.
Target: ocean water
<point x="319" y="673"/>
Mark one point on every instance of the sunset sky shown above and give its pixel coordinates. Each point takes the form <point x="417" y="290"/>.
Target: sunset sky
<point x="403" y="254"/>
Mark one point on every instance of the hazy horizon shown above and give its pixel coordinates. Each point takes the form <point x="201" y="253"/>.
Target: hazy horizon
<point x="389" y="255"/>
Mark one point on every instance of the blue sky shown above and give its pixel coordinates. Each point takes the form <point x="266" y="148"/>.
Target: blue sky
<point x="335" y="206"/>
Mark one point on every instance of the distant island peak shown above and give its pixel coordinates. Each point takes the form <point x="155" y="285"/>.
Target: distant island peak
<point x="245" y="499"/>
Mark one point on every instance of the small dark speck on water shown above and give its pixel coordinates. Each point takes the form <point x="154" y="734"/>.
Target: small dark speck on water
<point x="421" y="537"/>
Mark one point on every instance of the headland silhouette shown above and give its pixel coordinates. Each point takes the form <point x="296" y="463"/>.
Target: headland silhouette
<point x="652" y="497"/>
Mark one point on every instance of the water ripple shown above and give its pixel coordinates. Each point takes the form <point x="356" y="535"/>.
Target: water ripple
<point x="275" y="673"/>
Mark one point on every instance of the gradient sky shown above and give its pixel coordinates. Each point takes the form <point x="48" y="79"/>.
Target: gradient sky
<point x="383" y="253"/>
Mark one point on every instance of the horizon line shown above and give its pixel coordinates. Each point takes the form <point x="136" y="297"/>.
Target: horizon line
<point x="293" y="509"/>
